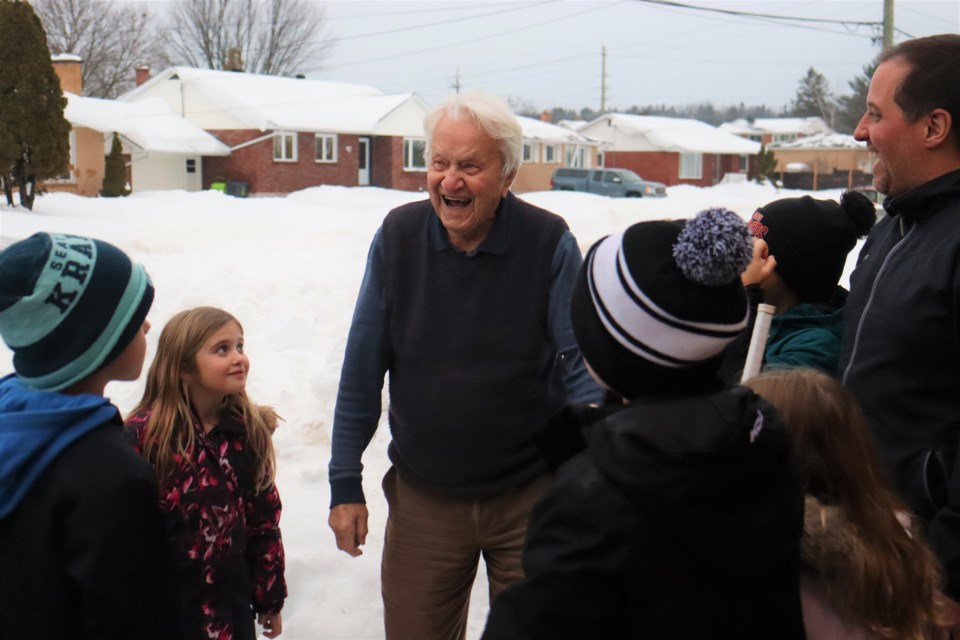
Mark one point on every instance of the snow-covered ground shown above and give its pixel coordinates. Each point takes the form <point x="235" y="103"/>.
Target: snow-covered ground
<point x="289" y="268"/>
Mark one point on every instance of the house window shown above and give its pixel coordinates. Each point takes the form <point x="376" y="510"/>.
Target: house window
<point x="326" y="147"/>
<point x="191" y="165"/>
<point x="413" y="151"/>
<point x="691" y="166"/>
<point x="784" y="137"/>
<point x="285" y="147"/>
<point x="528" y="152"/>
<point x="550" y="153"/>
<point x="599" y="160"/>
<point x="744" y="164"/>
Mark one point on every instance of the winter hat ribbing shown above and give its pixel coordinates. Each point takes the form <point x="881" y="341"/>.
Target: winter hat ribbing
<point x="68" y="306"/>
<point x="654" y="306"/>
<point x="810" y="239"/>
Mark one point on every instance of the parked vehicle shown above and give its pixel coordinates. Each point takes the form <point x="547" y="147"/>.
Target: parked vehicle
<point x="607" y="182"/>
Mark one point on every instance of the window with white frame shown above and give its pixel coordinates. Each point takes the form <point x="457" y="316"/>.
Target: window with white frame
<point x="784" y="137"/>
<point x="285" y="147"/>
<point x="691" y="166"/>
<point x="413" y="154"/>
<point x="549" y="153"/>
<point x="325" y="147"/>
<point x="528" y="152"/>
<point x="744" y="163"/>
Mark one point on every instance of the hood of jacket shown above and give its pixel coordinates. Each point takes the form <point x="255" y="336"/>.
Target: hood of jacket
<point x="712" y="472"/>
<point x="35" y="427"/>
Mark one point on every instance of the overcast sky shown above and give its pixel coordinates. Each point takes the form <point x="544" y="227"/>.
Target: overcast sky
<point x="548" y="53"/>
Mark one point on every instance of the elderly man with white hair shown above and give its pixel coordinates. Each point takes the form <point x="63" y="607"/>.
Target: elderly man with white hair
<point x="465" y="301"/>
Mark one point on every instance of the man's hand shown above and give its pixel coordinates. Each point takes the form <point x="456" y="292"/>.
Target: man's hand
<point x="349" y="524"/>
<point x="761" y="266"/>
<point x="272" y="624"/>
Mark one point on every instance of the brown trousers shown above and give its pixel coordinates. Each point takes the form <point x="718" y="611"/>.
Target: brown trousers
<point x="431" y="549"/>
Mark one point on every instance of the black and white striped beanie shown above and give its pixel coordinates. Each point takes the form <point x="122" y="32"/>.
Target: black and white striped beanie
<point x="654" y="306"/>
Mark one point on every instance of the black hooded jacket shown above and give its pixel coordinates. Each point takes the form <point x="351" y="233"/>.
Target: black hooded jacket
<point x="681" y="519"/>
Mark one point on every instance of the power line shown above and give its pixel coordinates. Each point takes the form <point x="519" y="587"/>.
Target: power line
<point x="733" y="12"/>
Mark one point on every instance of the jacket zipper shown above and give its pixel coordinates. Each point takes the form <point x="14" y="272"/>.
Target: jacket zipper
<point x="873" y="290"/>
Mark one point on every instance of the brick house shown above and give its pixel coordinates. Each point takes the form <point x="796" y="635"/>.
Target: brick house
<point x="546" y="147"/>
<point x="287" y="134"/>
<point x="770" y="131"/>
<point x="671" y="150"/>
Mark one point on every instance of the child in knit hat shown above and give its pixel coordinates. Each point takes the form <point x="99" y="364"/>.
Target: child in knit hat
<point x="82" y="545"/>
<point x="800" y="249"/>
<point x="682" y="518"/>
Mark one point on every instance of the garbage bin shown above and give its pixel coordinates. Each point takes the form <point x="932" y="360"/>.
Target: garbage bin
<point x="238" y="188"/>
<point x="219" y="185"/>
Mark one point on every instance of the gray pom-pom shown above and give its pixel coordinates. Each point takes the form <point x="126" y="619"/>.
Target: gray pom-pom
<point x="714" y="247"/>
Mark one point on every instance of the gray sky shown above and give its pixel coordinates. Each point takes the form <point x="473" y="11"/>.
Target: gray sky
<point x="548" y="53"/>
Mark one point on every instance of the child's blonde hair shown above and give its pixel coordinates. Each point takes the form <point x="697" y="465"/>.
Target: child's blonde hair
<point x="874" y="573"/>
<point x="167" y="397"/>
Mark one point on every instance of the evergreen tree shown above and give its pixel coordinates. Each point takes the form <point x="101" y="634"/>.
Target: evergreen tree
<point x="814" y="98"/>
<point x="115" y="173"/>
<point x="34" y="135"/>
<point x="852" y="107"/>
<point x="764" y="166"/>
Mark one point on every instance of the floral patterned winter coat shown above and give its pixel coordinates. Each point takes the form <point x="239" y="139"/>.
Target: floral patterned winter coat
<point x="226" y="536"/>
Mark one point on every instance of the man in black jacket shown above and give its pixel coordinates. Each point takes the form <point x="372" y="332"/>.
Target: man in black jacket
<point x="901" y="347"/>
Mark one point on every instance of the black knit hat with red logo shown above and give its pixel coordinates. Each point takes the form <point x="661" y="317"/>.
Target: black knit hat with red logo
<point x="810" y="239"/>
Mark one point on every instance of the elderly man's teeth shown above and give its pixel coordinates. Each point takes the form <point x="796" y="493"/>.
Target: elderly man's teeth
<point x="456" y="202"/>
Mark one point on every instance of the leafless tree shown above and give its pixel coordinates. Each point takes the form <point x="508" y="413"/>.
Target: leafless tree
<point x="272" y="37"/>
<point x="111" y="38"/>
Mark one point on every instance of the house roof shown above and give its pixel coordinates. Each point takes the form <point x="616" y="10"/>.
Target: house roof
<point x="676" y="134"/>
<point x="822" y="141"/>
<point x="534" y="129"/>
<point x="280" y="103"/>
<point x="149" y="124"/>
<point x="800" y="126"/>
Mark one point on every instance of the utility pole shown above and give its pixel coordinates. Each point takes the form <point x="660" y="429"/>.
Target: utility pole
<point x="456" y="82"/>
<point x="887" y="24"/>
<point x="603" y="78"/>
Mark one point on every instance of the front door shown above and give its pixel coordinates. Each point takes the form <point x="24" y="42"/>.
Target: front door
<point x="363" y="160"/>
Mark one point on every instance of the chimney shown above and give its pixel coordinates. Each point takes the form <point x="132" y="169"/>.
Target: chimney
<point x="545" y="116"/>
<point x="70" y="71"/>
<point x="143" y="74"/>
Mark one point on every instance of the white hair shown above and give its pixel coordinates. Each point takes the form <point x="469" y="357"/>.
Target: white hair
<point x="491" y="114"/>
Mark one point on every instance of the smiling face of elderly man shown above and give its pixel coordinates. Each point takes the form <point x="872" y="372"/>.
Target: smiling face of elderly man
<point x="466" y="179"/>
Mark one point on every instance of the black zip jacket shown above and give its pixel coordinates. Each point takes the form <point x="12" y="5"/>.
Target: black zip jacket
<point x="901" y="354"/>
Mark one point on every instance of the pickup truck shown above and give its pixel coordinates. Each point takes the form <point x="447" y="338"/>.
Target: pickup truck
<point x="606" y="182"/>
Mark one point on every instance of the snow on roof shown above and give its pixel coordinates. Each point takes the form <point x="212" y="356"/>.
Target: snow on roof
<point x="682" y="134"/>
<point x="66" y="57"/>
<point x="298" y="104"/>
<point x="822" y="141"/>
<point x="804" y="126"/>
<point x="534" y="129"/>
<point x="149" y="124"/>
<point x="740" y="126"/>
<point x="576" y="125"/>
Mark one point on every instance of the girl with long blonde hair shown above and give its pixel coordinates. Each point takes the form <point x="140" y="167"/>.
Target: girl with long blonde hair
<point x="866" y="574"/>
<point x="212" y="449"/>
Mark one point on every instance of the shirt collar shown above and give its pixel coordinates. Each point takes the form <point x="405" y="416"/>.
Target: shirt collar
<point x="496" y="241"/>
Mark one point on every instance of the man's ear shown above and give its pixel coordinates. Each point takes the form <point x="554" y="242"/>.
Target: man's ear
<point x="939" y="125"/>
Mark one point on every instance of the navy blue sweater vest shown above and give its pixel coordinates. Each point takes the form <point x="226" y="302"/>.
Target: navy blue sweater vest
<point x="473" y="373"/>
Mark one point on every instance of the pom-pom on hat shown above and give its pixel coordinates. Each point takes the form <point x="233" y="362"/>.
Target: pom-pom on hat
<point x="69" y="305"/>
<point x="653" y="307"/>
<point x="810" y="239"/>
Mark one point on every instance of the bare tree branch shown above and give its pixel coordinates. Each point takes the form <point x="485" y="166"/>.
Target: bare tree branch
<point x="111" y="39"/>
<point x="273" y="37"/>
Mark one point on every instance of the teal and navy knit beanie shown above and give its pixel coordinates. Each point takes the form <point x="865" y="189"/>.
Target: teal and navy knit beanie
<point x="68" y="306"/>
